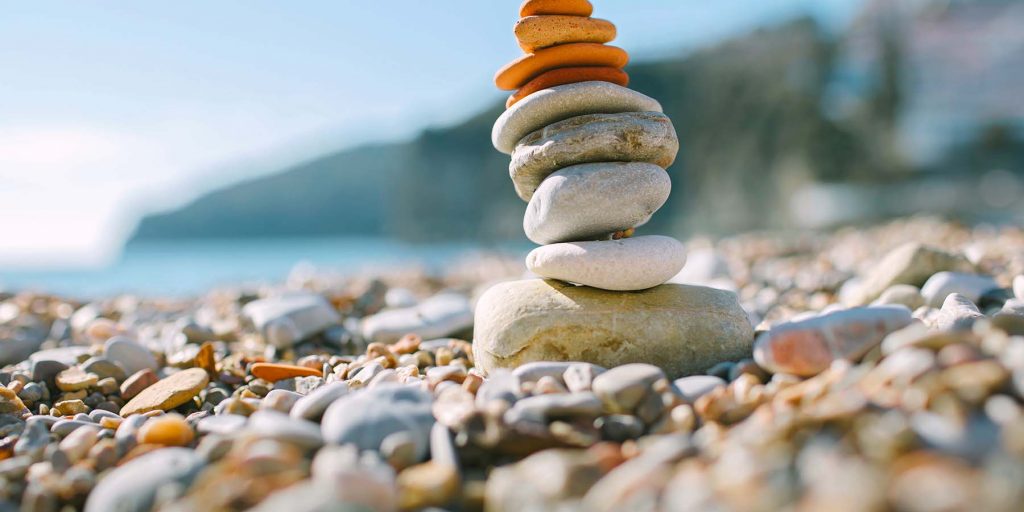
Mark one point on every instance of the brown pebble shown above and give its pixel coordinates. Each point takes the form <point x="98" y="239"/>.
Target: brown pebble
<point x="168" y="393"/>
<point x="206" y="360"/>
<point x="272" y="372"/>
<point x="140" y="380"/>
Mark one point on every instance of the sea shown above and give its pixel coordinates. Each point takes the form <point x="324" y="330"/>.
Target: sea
<point x="180" y="268"/>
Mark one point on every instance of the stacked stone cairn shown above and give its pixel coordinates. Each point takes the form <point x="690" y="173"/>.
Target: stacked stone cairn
<point x="590" y="157"/>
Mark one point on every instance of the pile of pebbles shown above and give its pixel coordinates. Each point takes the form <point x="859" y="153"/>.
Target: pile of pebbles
<point x="886" y="372"/>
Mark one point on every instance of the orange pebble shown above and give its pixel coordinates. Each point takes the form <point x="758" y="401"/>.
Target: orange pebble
<point x="563" y="76"/>
<point x="563" y="7"/>
<point x="520" y="71"/>
<point x="166" y="430"/>
<point x="272" y="372"/>
<point x="539" y="32"/>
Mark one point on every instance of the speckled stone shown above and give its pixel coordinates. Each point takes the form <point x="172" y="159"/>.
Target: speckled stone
<point x="592" y="201"/>
<point x="646" y="137"/>
<point x="681" y="329"/>
<point x="559" y="103"/>
<point x="620" y="265"/>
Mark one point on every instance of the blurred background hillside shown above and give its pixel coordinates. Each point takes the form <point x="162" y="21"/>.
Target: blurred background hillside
<point x="797" y="121"/>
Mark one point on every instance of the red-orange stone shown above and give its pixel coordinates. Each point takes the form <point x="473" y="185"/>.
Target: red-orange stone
<point x="273" y="372"/>
<point x="557" y="7"/>
<point x="565" y="76"/>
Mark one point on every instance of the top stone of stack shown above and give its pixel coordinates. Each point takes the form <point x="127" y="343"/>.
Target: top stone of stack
<point x="563" y="45"/>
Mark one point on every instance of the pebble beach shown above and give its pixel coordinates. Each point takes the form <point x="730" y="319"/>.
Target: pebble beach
<point x="883" y="370"/>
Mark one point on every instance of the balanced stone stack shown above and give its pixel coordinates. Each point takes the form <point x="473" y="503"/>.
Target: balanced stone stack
<point x="589" y="156"/>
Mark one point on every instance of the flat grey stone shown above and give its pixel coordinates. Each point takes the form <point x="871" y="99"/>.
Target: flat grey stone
<point x="562" y="102"/>
<point x="549" y="407"/>
<point x="280" y="426"/>
<point x="646" y="137"/>
<point x="289" y="319"/>
<point x="133" y="486"/>
<point x="366" y="417"/>
<point x="437" y="317"/>
<point x="629" y="264"/>
<point x="696" y="386"/>
<point x="223" y="424"/>
<point x="132" y="356"/>
<point x="312" y="406"/>
<point x="681" y="329"/>
<point x="942" y="284"/>
<point x="592" y="201"/>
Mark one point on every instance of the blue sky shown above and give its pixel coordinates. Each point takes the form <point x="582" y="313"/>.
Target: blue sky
<point x="109" y="109"/>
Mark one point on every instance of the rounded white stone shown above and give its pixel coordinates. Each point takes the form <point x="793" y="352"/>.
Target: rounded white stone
<point x="562" y="102"/>
<point x="625" y="137"/>
<point x="620" y="265"/>
<point x="591" y="201"/>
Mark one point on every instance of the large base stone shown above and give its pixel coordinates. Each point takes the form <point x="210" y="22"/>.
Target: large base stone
<point x="682" y="329"/>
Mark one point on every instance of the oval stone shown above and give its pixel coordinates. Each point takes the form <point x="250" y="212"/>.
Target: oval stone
<point x="681" y="329"/>
<point x="620" y="265"/>
<point x="168" y="393"/>
<point x="133" y="487"/>
<point x="366" y="418"/>
<point x="625" y="137"/>
<point x="562" y="102"/>
<point x="591" y="201"/>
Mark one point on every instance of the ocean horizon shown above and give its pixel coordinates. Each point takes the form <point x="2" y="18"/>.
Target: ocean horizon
<point x="190" y="267"/>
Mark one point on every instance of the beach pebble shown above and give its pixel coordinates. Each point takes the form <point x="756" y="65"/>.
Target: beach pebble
<point x="273" y="372"/>
<point x="168" y="393"/>
<point x="619" y="265"/>
<point x="104" y="368"/>
<point x="281" y="427"/>
<point x="544" y="408"/>
<point x="33" y="439"/>
<point x="696" y="386"/>
<point x="132" y="356"/>
<point x="911" y="263"/>
<point x="75" y="379"/>
<point x="563" y="102"/>
<point x="46" y="370"/>
<point x="133" y="486"/>
<point x="501" y="385"/>
<point x="808" y="347"/>
<point x="592" y="201"/>
<point x="19" y="347"/>
<point x="538" y="32"/>
<point x="367" y="417"/>
<point x="971" y="286"/>
<point x="682" y="329"/>
<point x="527" y="67"/>
<point x="622" y="388"/>
<point x="440" y="316"/>
<point x="289" y="319"/>
<point x="223" y="424"/>
<point x="312" y="406"/>
<point x="10" y="403"/>
<point x="902" y="294"/>
<point x="78" y="443"/>
<point x="138" y="381"/>
<point x="643" y="137"/>
<point x="957" y="313"/>
<point x="579" y="377"/>
<point x="166" y="430"/>
<point x="280" y="400"/>
<point x="557" y="7"/>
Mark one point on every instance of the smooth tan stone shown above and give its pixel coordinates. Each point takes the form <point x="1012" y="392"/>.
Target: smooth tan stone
<point x="562" y="102"/>
<point x="647" y="137"/>
<point x="681" y="329"/>
<point x="544" y="31"/>
<point x="168" y="393"/>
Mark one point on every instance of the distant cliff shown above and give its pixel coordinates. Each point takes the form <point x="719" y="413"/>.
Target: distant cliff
<point x="748" y="114"/>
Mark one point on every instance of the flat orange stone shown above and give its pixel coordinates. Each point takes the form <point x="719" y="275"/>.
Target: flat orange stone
<point x="520" y="71"/>
<point x="564" y="76"/>
<point x="273" y="372"/>
<point x="539" y="32"/>
<point x="563" y="7"/>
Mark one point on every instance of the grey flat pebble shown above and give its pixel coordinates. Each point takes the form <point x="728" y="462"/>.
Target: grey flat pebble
<point x="133" y="486"/>
<point x="629" y="264"/>
<point x="642" y="137"/>
<point x="692" y="388"/>
<point x="562" y="102"/>
<point x="280" y="426"/>
<point x="312" y="406"/>
<point x="130" y="355"/>
<point x="592" y="201"/>
<point x="367" y="417"/>
<point x="223" y="424"/>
